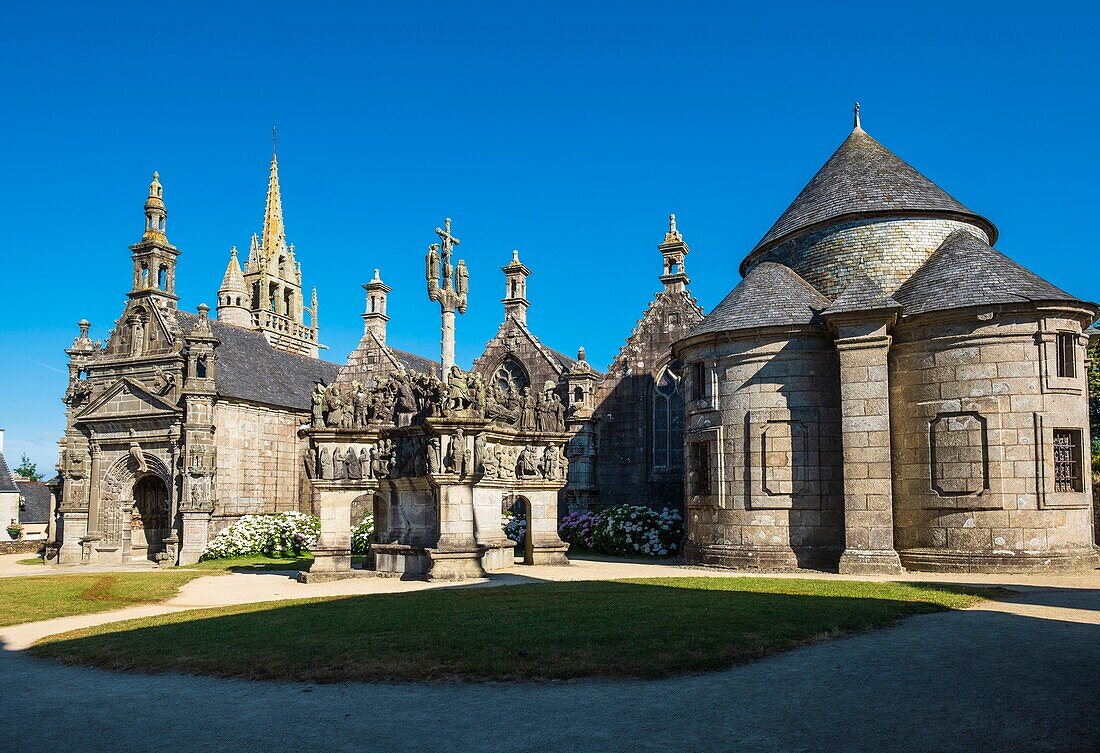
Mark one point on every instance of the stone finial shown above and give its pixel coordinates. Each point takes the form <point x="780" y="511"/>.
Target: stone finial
<point x="673" y="235"/>
<point x="855" y="118"/>
<point x="581" y="354"/>
<point x="203" y="310"/>
<point x="377" y="276"/>
<point x="84" y="325"/>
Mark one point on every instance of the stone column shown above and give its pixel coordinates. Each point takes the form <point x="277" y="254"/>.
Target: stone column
<point x="95" y="501"/>
<point x="195" y="525"/>
<point x="447" y="344"/>
<point x="862" y="345"/>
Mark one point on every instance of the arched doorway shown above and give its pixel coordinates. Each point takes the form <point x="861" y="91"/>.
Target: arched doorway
<point x="520" y="528"/>
<point x="149" y="524"/>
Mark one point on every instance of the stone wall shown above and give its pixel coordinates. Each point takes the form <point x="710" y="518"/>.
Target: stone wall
<point x="623" y="418"/>
<point x="259" y="460"/>
<point x="769" y="424"/>
<point x="888" y="251"/>
<point x="975" y="402"/>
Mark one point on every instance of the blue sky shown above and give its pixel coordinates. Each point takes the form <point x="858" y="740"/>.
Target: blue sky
<point x="568" y="132"/>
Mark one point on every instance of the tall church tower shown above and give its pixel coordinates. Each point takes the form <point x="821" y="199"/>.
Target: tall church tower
<point x="273" y="283"/>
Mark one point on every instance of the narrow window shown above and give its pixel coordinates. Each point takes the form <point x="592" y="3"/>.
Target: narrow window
<point x="698" y="381"/>
<point x="1067" y="354"/>
<point x="578" y="395"/>
<point x="200" y="367"/>
<point x="700" y="469"/>
<point x="162" y="278"/>
<point x="1067" y="461"/>
<point x="668" y="419"/>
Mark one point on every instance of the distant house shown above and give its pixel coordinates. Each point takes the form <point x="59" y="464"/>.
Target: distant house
<point x="35" y="505"/>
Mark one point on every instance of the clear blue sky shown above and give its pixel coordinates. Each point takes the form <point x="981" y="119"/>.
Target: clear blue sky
<point x="569" y="133"/>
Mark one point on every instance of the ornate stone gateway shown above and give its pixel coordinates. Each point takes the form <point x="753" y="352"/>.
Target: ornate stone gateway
<point x="441" y="458"/>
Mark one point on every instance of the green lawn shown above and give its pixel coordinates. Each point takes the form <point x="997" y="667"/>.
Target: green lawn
<point x="256" y="563"/>
<point x="43" y="597"/>
<point x="635" y="628"/>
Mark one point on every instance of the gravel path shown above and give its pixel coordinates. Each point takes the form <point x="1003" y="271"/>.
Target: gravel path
<point x="1020" y="675"/>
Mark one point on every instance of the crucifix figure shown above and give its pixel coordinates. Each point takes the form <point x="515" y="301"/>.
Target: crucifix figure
<point x="443" y="290"/>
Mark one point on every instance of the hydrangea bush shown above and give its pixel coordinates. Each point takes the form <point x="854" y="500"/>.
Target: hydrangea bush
<point x="576" y="528"/>
<point x="283" y="534"/>
<point x="515" y="526"/>
<point x="360" y="535"/>
<point x="626" y="530"/>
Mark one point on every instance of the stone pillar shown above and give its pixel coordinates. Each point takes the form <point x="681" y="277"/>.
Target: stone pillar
<point x="865" y="437"/>
<point x="447" y="344"/>
<point x="95" y="503"/>
<point x="74" y="528"/>
<point x="196" y="532"/>
<point x="543" y="545"/>
<point x="457" y="556"/>
<point x="333" y="551"/>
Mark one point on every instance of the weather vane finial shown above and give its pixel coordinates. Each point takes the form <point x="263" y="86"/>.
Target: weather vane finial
<point x="855" y="114"/>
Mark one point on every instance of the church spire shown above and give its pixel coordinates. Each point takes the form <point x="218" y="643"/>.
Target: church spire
<point x="274" y="233"/>
<point x="673" y="250"/>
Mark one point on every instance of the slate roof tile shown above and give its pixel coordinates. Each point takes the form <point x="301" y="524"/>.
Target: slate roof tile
<point x="771" y="295"/>
<point x="35" y="502"/>
<point x="862" y="294"/>
<point x="7" y="481"/>
<point x="865" y="178"/>
<point x="966" y="271"/>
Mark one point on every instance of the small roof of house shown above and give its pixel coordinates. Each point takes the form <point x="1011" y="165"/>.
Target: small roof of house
<point x="7" y="481"/>
<point x="966" y="271"/>
<point x="34" y="502"/>
<point x="864" y="178"/>
<point x="770" y="295"/>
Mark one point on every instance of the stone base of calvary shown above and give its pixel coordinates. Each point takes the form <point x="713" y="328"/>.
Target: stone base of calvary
<point x="438" y="461"/>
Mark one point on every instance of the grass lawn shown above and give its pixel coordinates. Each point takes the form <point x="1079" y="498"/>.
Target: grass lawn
<point x="256" y="563"/>
<point x="631" y="628"/>
<point x="31" y="561"/>
<point x="44" y="597"/>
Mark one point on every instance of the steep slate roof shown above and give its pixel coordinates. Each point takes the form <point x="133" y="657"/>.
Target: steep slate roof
<point x="7" y="482"/>
<point x="862" y="294"/>
<point x="35" y="503"/>
<point x="249" y="368"/>
<point x="966" y="271"/>
<point x="414" y="362"/>
<point x="865" y="178"/>
<point x="771" y="295"/>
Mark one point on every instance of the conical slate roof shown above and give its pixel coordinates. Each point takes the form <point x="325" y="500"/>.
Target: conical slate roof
<point x="865" y="178"/>
<point x="966" y="271"/>
<point x="233" y="281"/>
<point x="771" y="295"/>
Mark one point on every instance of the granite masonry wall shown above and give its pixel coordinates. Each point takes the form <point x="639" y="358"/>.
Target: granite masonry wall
<point x="975" y="404"/>
<point x="769" y="423"/>
<point x="259" y="461"/>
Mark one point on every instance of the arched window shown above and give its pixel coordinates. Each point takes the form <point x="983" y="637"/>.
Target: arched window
<point x="144" y="276"/>
<point x="200" y="367"/>
<point x="162" y="277"/>
<point x="511" y="374"/>
<point x="668" y="419"/>
<point x="578" y="395"/>
<point x="238" y="300"/>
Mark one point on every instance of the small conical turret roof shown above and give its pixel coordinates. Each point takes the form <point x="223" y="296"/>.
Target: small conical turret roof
<point x="770" y="295"/>
<point x="233" y="281"/>
<point x="865" y="179"/>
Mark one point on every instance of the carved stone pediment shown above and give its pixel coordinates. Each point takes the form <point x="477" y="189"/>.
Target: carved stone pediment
<point x="127" y="399"/>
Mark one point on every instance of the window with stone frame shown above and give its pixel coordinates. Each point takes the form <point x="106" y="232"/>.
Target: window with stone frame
<point x="1067" y="461"/>
<point x="511" y="375"/>
<point x="698" y="381"/>
<point x="667" y="450"/>
<point x="1067" y="355"/>
<point x="699" y="475"/>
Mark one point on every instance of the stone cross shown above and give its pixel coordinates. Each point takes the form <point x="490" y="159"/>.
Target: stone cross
<point x="443" y="290"/>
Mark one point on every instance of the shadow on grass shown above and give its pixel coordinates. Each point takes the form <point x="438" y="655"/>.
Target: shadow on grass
<point x="638" y="628"/>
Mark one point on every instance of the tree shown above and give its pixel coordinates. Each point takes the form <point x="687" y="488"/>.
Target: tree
<point x="27" y="469"/>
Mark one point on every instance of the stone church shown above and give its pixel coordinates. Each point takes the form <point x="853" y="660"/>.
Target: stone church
<point x="177" y="424"/>
<point x="884" y="389"/>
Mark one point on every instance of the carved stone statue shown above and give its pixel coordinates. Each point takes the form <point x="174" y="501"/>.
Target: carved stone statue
<point x="458" y="393"/>
<point x="339" y="465"/>
<point x="364" y="463"/>
<point x="404" y="407"/>
<point x="351" y="461"/>
<point x="462" y="279"/>
<point x="527" y="411"/>
<point x="139" y="457"/>
<point x="528" y="466"/>
<point x="163" y="381"/>
<point x="455" y="462"/>
<point x="318" y="410"/>
<point x="359" y="406"/>
<point x="479" y="453"/>
<point x="551" y="467"/>
<point x="324" y="464"/>
<point x="432" y="453"/>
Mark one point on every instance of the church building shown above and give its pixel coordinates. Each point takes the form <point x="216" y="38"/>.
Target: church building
<point x="178" y="424"/>
<point x="884" y="389"/>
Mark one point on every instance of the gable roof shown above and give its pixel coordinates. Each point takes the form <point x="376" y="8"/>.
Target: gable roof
<point x="250" y="368"/>
<point x="7" y="481"/>
<point x="865" y="178"/>
<point x="966" y="271"/>
<point x="770" y="295"/>
<point x="35" y="502"/>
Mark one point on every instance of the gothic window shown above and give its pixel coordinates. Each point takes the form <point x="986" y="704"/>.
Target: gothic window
<point x="1067" y="460"/>
<point x="668" y="419"/>
<point x="162" y="277"/>
<point x="511" y="374"/>
<point x="699" y="476"/>
<point x="1067" y="354"/>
